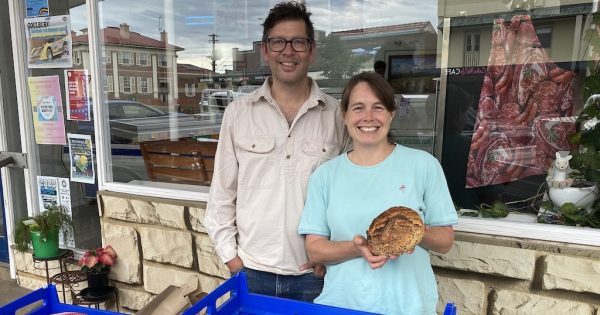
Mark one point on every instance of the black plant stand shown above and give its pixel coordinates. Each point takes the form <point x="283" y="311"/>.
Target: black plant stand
<point x="64" y="256"/>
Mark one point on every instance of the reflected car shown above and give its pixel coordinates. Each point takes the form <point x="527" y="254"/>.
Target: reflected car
<point x="215" y="100"/>
<point x="54" y="46"/>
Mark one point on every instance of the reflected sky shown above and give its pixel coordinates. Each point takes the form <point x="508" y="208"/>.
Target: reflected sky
<point x="237" y="22"/>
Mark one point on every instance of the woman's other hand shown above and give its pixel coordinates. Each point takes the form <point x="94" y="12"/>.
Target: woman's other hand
<point x="362" y="249"/>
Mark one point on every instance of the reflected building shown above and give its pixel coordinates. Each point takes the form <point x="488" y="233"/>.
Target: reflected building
<point x="143" y="69"/>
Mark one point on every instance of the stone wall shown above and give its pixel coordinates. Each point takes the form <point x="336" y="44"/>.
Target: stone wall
<point x="163" y="242"/>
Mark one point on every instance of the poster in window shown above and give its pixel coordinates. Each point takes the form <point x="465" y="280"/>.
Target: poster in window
<point x="55" y="191"/>
<point x="77" y="94"/>
<point x="525" y="112"/>
<point x="48" y="121"/>
<point x="37" y="8"/>
<point x="81" y="159"/>
<point x="49" y="43"/>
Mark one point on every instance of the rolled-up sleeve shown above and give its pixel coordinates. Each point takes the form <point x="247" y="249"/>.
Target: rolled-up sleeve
<point x="221" y="208"/>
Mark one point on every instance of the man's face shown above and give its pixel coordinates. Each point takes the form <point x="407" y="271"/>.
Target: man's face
<point x="288" y="66"/>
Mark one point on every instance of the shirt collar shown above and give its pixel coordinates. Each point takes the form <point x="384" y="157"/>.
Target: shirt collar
<point x="316" y="97"/>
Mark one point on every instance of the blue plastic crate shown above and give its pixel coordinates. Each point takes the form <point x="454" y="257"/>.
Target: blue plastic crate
<point x="50" y="304"/>
<point x="241" y="302"/>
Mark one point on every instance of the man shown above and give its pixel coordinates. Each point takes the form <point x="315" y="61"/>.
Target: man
<point x="271" y="140"/>
<point x="379" y="67"/>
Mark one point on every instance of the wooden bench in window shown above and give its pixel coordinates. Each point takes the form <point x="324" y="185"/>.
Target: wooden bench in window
<point x="184" y="162"/>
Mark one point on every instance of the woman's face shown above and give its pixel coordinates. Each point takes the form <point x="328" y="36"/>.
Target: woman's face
<point x="367" y="119"/>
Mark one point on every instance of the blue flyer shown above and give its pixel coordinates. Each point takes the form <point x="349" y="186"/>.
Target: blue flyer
<point x="37" y="8"/>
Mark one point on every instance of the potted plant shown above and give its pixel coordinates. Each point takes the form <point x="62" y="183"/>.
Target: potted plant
<point x="42" y="230"/>
<point x="96" y="264"/>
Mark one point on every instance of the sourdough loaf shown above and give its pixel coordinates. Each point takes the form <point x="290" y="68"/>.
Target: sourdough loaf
<point x="395" y="231"/>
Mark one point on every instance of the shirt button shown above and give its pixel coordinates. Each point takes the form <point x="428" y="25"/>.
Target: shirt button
<point x="287" y="156"/>
<point x="254" y="146"/>
<point x="289" y="136"/>
<point x="324" y="150"/>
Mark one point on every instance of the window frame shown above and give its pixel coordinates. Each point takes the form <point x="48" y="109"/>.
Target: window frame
<point x="140" y="87"/>
<point x="139" y="59"/>
<point x="129" y="60"/>
<point x="491" y="227"/>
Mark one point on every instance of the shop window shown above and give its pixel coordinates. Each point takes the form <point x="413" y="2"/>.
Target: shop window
<point x="431" y="74"/>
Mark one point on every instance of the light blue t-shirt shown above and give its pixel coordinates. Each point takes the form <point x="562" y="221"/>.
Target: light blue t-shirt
<point x="343" y="198"/>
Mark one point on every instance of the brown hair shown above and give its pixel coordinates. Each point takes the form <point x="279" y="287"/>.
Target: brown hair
<point x="377" y="83"/>
<point x="288" y="11"/>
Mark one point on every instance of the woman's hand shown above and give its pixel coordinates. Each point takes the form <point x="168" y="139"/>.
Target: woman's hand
<point x="361" y="248"/>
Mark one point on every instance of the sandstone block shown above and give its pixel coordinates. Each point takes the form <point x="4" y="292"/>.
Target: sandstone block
<point x="174" y="247"/>
<point x="469" y="296"/>
<point x="197" y="219"/>
<point x="124" y="240"/>
<point x="118" y="208"/>
<point x="488" y="259"/>
<point x="158" y="278"/>
<point x="510" y="302"/>
<point x="208" y="261"/>
<point x="133" y="298"/>
<point x="571" y="273"/>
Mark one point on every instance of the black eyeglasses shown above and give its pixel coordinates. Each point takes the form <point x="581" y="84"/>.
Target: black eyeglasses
<point x="298" y="44"/>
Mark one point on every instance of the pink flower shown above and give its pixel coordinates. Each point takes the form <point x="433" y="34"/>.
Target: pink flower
<point x="99" y="258"/>
<point x="89" y="261"/>
<point x="106" y="259"/>
<point x="109" y="250"/>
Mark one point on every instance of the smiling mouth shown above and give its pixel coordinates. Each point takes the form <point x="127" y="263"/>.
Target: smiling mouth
<point x="368" y="129"/>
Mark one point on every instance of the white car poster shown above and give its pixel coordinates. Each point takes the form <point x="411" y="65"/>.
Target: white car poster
<point x="49" y="43"/>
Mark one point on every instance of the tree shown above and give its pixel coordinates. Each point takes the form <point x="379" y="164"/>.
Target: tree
<point x="337" y="61"/>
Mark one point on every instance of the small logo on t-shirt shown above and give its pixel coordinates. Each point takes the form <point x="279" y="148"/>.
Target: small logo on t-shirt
<point x="402" y="188"/>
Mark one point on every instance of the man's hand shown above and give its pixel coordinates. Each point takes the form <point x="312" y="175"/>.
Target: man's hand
<point x="318" y="269"/>
<point x="235" y="264"/>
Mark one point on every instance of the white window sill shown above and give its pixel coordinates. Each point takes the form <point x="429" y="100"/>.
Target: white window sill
<point x="525" y="226"/>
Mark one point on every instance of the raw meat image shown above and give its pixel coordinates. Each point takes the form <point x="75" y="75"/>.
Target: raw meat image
<point x="525" y="108"/>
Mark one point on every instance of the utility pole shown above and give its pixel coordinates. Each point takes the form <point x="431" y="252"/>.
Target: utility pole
<point x="213" y="40"/>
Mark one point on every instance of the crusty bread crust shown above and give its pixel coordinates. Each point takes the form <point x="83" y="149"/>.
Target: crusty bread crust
<point x="395" y="231"/>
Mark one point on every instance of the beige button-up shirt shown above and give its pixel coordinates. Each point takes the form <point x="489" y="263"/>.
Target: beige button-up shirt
<point x="261" y="174"/>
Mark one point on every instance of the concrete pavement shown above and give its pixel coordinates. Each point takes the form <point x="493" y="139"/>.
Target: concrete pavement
<point x="9" y="289"/>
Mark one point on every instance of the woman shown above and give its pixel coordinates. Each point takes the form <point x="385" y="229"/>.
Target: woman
<point x="348" y="192"/>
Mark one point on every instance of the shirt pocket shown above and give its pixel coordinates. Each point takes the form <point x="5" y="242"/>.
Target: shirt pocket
<point x="257" y="163"/>
<point x="315" y="152"/>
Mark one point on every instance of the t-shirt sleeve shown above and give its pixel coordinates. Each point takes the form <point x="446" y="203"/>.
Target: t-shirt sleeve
<point x="314" y="216"/>
<point x="439" y="208"/>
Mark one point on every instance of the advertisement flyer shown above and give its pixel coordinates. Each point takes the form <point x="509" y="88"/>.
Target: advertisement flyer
<point x="55" y="191"/>
<point x="37" y="8"/>
<point x="48" y="191"/>
<point x="48" y="120"/>
<point x="49" y="42"/>
<point x="80" y="156"/>
<point x="77" y="94"/>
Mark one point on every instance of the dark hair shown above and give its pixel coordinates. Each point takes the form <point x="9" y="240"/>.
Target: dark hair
<point x="381" y="88"/>
<point x="379" y="64"/>
<point x="286" y="11"/>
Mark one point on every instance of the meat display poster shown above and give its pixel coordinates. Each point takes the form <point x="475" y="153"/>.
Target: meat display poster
<point x="525" y="108"/>
<point x="46" y="101"/>
<point x="81" y="158"/>
<point x="77" y="94"/>
<point x="49" y="42"/>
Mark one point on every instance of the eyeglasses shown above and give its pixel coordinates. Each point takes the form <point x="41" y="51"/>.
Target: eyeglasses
<point x="298" y="44"/>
